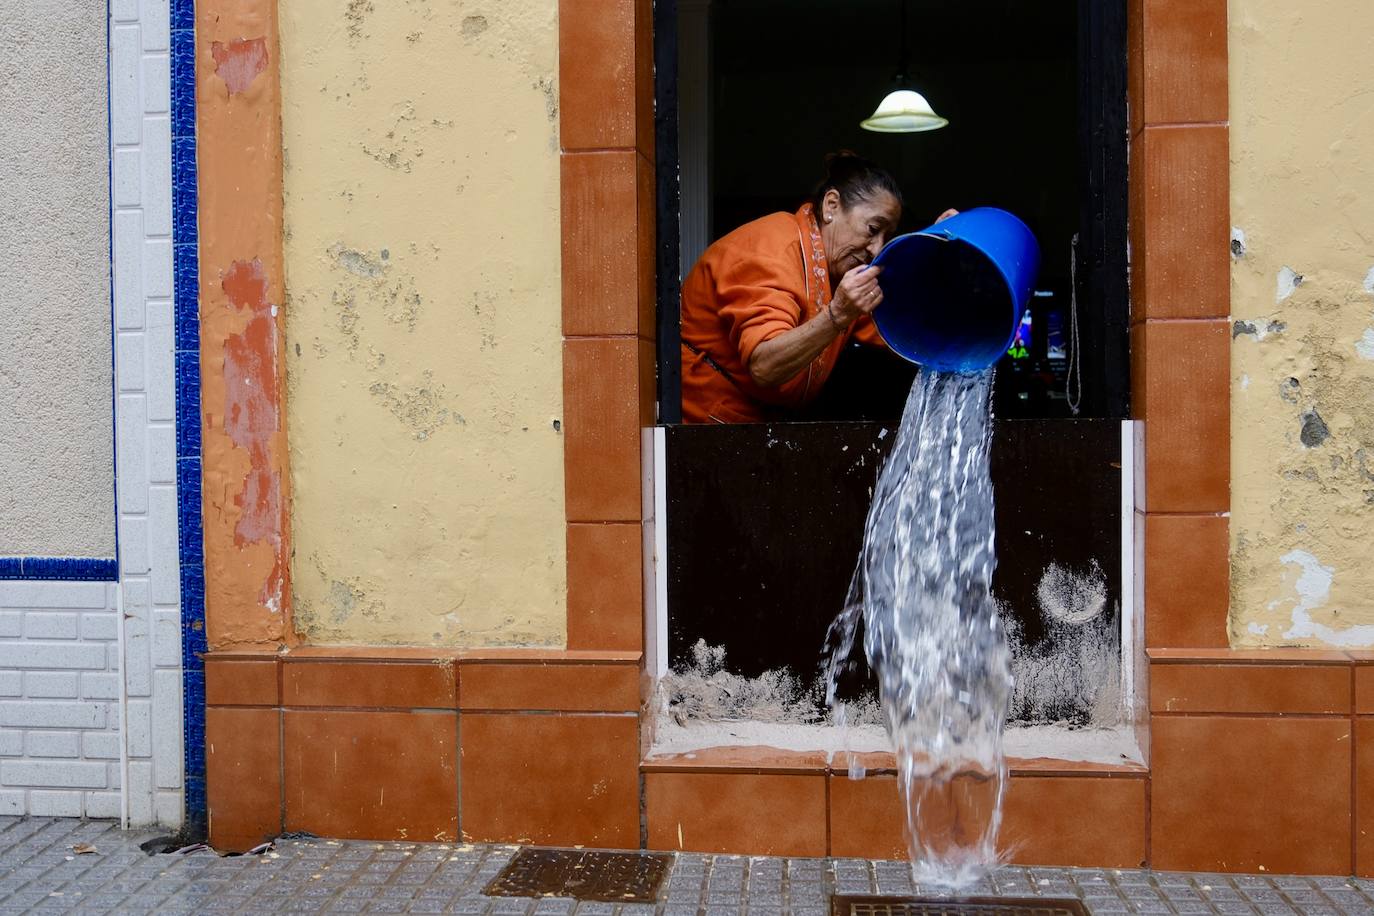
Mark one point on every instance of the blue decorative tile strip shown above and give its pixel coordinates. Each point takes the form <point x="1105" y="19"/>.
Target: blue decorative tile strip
<point x="192" y="547"/>
<point x="186" y="334"/>
<point x="183" y="15"/>
<point x="186" y="289"/>
<point x="83" y="569"/>
<point x="188" y="392"/>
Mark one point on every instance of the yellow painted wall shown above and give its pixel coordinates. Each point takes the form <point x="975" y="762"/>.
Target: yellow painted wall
<point x="1302" y="193"/>
<point x="423" y="320"/>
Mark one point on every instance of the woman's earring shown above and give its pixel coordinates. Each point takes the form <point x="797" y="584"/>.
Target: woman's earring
<point x="828" y="217"/>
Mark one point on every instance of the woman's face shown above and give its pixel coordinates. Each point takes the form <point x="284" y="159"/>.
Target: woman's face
<point x="855" y="235"/>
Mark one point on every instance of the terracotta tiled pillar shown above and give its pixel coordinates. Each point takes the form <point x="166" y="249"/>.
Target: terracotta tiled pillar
<point x="1251" y="756"/>
<point x="549" y="746"/>
<point x="606" y="116"/>
<point x="246" y="486"/>
<point x="1181" y="381"/>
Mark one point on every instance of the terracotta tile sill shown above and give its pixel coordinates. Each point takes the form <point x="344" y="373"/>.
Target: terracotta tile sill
<point x="752" y="759"/>
<point x="430" y="654"/>
<point x="771" y="760"/>
<point x="547" y="656"/>
<point x="245" y="650"/>
<point x="1250" y="656"/>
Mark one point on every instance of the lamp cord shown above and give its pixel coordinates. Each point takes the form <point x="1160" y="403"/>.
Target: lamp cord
<point x="1073" y="382"/>
<point x="904" y="62"/>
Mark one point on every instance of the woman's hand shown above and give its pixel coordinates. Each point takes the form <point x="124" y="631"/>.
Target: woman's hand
<point x="946" y="215"/>
<point x="857" y="295"/>
<point x="780" y="358"/>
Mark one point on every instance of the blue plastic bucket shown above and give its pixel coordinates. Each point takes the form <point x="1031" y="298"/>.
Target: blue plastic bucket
<point x="954" y="293"/>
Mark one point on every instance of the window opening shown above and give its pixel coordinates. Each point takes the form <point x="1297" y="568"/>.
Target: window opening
<point x="764" y="520"/>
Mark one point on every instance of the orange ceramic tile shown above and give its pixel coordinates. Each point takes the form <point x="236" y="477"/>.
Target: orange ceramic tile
<point x="601" y="467"/>
<point x="397" y="685"/>
<point x="1187" y="580"/>
<point x="1249" y="656"/>
<point x="1263" y="689"/>
<point x="770" y="815"/>
<point x="581" y="688"/>
<point x="1183" y="58"/>
<point x="496" y="656"/>
<point x="372" y="775"/>
<point x="1053" y="766"/>
<point x="241" y="682"/>
<point x="1188" y="410"/>
<point x="1181" y="264"/>
<point x="597" y="73"/>
<point x="646" y="248"/>
<point x="377" y="653"/>
<point x="644" y="77"/>
<point x="605" y="586"/>
<point x="1364" y="688"/>
<point x="1083" y="821"/>
<point x="866" y="818"/>
<point x="883" y="763"/>
<point x="1364" y="798"/>
<point x="243" y="776"/>
<point x="750" y="759"/>
<point x="1245" y="794"/>
<point x="562" y="780"/>
<point x="601" y="246"/>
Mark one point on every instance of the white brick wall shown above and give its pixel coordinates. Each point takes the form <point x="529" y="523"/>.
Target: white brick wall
<point x="45" y="717"/>
<point x="59" y="656"/>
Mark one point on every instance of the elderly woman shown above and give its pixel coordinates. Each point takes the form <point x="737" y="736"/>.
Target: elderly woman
<point x="769" y="307"/>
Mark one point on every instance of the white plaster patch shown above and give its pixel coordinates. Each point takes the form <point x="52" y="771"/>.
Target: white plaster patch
<point x="1365" y="345"/>
<point x="1369" y="282"/>
<point x="1313" y="587"/>
<point x="1245" y="382"/>
<point x="1257" y="629"/>
<point x="1237" y="242"/>
<point x="1289" y="280"/>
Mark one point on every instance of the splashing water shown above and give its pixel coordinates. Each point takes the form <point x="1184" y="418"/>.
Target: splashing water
<point x="931" y="630"/>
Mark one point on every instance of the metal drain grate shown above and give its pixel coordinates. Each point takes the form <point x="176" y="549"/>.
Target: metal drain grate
<point x="955" y="906"/>
<point x="609" y="877"/>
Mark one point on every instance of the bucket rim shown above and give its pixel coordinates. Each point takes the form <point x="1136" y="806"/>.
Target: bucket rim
<point x="931" y="232"/>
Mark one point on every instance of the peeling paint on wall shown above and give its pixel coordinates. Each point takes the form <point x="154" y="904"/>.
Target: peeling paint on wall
<point x="239" y="62"/>
<point x="424" y="341"/>
<point x="1288" y="281"/>
<point x="252" y="416"/>
<point x="1302" y="185"/>
<point x="1311" y="582"/>
<point x="246" y="490"/>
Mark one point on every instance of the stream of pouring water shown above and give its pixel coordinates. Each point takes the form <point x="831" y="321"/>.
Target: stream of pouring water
<point x="931" y="630"/>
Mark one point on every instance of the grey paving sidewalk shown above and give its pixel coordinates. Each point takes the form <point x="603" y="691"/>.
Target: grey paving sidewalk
<point x="41" y="873"/>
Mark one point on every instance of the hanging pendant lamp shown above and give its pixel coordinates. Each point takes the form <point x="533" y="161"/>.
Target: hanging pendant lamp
<point x="903" y="111"/>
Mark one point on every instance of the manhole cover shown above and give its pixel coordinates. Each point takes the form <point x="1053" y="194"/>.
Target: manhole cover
<point x="610" y="877"/>
<point x="955" y="906"/>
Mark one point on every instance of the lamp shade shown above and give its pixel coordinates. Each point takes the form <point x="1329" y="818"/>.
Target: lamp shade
<point x="903" y="112"/>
